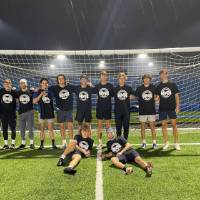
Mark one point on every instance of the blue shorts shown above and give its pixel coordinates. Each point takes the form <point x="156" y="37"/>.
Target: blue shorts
<point x="64" y="116"/>
<point x="166" y="115"/>
<point x="129" y="156"/>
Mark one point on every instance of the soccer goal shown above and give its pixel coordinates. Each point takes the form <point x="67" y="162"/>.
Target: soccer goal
<point x="183" y="65"/>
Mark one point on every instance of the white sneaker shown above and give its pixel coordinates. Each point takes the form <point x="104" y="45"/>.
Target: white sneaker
<point x="177" y="146"/>
<point x="166" y="146"/>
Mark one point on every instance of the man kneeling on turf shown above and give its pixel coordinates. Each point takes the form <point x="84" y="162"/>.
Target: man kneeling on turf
<point x="78" y="148"/>
<point x="120" y="152"/>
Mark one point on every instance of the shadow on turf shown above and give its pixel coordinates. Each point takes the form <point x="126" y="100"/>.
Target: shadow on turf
<point x="46" y="153"/>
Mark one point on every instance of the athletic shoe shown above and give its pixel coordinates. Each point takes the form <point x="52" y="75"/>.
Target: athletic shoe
<point x="41" y="147"/>
<point x="70" y="171"/>
<point x="5" y="146"/>
<point x="129" y="170"/>
<point x="149" y="169"/>
<point x="22" y="146"/>
<point x="154" y="146"/>
<point x="177" y="146"/>
<point x="166" y="146"/>
<point x="60" y="162"/>
<point x="32" y="146"/>
<point x="144" y="145"/>
<point x="54" y="147"/>
<point x="12" y="146"/>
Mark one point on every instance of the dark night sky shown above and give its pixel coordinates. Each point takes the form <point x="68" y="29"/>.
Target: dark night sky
<point x="98" y="24"/>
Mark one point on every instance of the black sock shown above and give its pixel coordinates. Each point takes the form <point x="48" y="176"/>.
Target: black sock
<point x="53" y="142"/>
<point x="42" y="142"/>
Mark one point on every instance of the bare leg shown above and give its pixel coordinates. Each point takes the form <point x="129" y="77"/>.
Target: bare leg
<point x="75" y="160"/>
<point x="115" y="161"/>
<point x="51" y="131"/>
<point x="42" y="133"/>
<point x="100" y="132"/>
<point x="153" y="130"/>
<point x="62" y="131"/>
<point x="164" y="130"/>
<point x="70" y="147"/>
<point x="71" y="130"/>
<point x="175" y="130"/>
<point x="141" y="162"/>
<point x="142" y="125"/>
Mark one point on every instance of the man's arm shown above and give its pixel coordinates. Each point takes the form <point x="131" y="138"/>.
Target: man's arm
<point x="126" y="148"/>
<point x="37" y="99"/>
<point x="105" y="156"/>
<point x="177" y="97"/>
<point x="86" y="153"/>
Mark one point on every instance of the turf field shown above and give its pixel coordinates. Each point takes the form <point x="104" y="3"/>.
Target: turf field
<point x="33" y="174"/>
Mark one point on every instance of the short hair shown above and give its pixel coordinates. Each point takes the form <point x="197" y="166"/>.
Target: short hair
<point x="83" y="76"/>
<point x="7" y="80"/>
<point x="146" y="76"/>
<point x="24" y="81"/>
<point x="60" y="75"/>
<point x="122" y="74"/>
<point x="103" y="72"/>
<point x="85" y="127"/>
<point x="163" y="71"/>
<point x="43" y="79"/>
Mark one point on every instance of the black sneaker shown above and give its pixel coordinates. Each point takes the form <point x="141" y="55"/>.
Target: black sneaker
<point x="5" y="146"/>
<point x="70" y="171"/>
<point x="149" y="169"/>
<point x="12" y="146"/>
<point x="54" y="147"/>
<point x="41" y="147"/>
<point x="32" y="146"/>
<point x="22" y="146"/>
<point x="60" y="162"/>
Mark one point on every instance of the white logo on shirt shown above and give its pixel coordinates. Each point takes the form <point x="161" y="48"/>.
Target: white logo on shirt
<point x="103" y="92"/>
<point x="24" y="98"/>
<point x="166" y="92"/>
<point x="46" y="99"/>
<point x="122" y="94"/>
<point x="64" y="94"/>
<point x="84" y="145"/>
<point x="147" y="95"/>
<point x="83" y="96"/>
<point x="7" y="98"/>
<point x="116" y="147"/>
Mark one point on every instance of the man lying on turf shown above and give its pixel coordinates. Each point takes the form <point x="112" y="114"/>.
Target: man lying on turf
<point x="77" y="149"/>
<point x="120" y="152"/>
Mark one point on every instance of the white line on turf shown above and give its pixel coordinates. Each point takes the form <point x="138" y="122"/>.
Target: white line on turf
<point x="99" y="176"/>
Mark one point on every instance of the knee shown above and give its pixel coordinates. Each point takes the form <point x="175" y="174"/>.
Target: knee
<point x="114" y="159"/>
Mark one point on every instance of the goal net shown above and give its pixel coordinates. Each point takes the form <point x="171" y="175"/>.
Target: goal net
<point x="183" y="65"/>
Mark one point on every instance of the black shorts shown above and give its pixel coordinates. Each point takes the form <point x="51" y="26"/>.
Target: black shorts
<point x="166" y="115"/>
<point x="83" y="115"/>
<point x="129" y="156"/>
<point x="102" y="113"/>
<point x="64" y="116"/>
<point x="69" y="156"/>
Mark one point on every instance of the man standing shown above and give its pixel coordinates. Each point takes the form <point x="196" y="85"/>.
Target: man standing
<point x="26" y="113"/>
<point x="168" y="95"/>
<point x="122" y="94"/>
<point x="147" y="113"/>
<point x="8" y="112"/>
<point x="63" y="94"/>
<point x="104" y="91"/>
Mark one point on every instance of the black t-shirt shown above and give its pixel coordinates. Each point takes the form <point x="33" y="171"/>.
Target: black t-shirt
<point x="8" y="102"/>
<point x="84" y="143"/>
<point x="25" y="101"/>
<point x="116" y="145"/>
<point x="146" y="99"/>
<point x="166" y="92"/>
<point x="46" y="108"/>
<point x="63" y="96"/>
<point x="122" y="98"/>
<point x="105" y="93"/>
<point x="84" y="102"/>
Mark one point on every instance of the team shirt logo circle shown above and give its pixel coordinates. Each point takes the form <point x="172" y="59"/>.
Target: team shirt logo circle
<point x="103" y="92"/>
<point x="122" y="94"/>
<point x="64" y="94"/>
<point x="147" y="95"/>
<point x="24" y="98"/>
<point x="166" y="92"/>
<point x="116" y="147"/>
<point x="83" y="96"/>
<point x="7" y="98"/>
<point x="46" y="99"/>
<point x="84" y="145"/>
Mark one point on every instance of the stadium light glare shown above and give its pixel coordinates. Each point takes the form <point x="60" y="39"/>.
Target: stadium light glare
<point x="52" y="66"/>
<point x="60" y="57"/>
<point x="142" y="55"/>
<point x="150" y="64"/>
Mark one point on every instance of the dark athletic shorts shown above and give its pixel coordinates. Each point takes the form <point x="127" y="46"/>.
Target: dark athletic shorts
<point x="102" y="113"/>
<point x="83" y="115"/>
<point x="64" y="116"/>
<point x="166" y="115"/>
<point x="129" y="156"/>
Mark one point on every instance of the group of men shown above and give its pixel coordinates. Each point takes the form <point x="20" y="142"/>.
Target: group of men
<point x="166" y="93"/>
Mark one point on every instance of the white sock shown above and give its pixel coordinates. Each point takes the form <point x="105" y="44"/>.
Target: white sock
<point x="64" y="142"/>
<point x="144" y="141"/>
<point x="154" y="141"/>
<point x="6" y="142"/>
<point x="23" y="142"/>
<point x="31" y="141"/>
<point x="63" y="156"/>
<point x="13" y="141"/>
